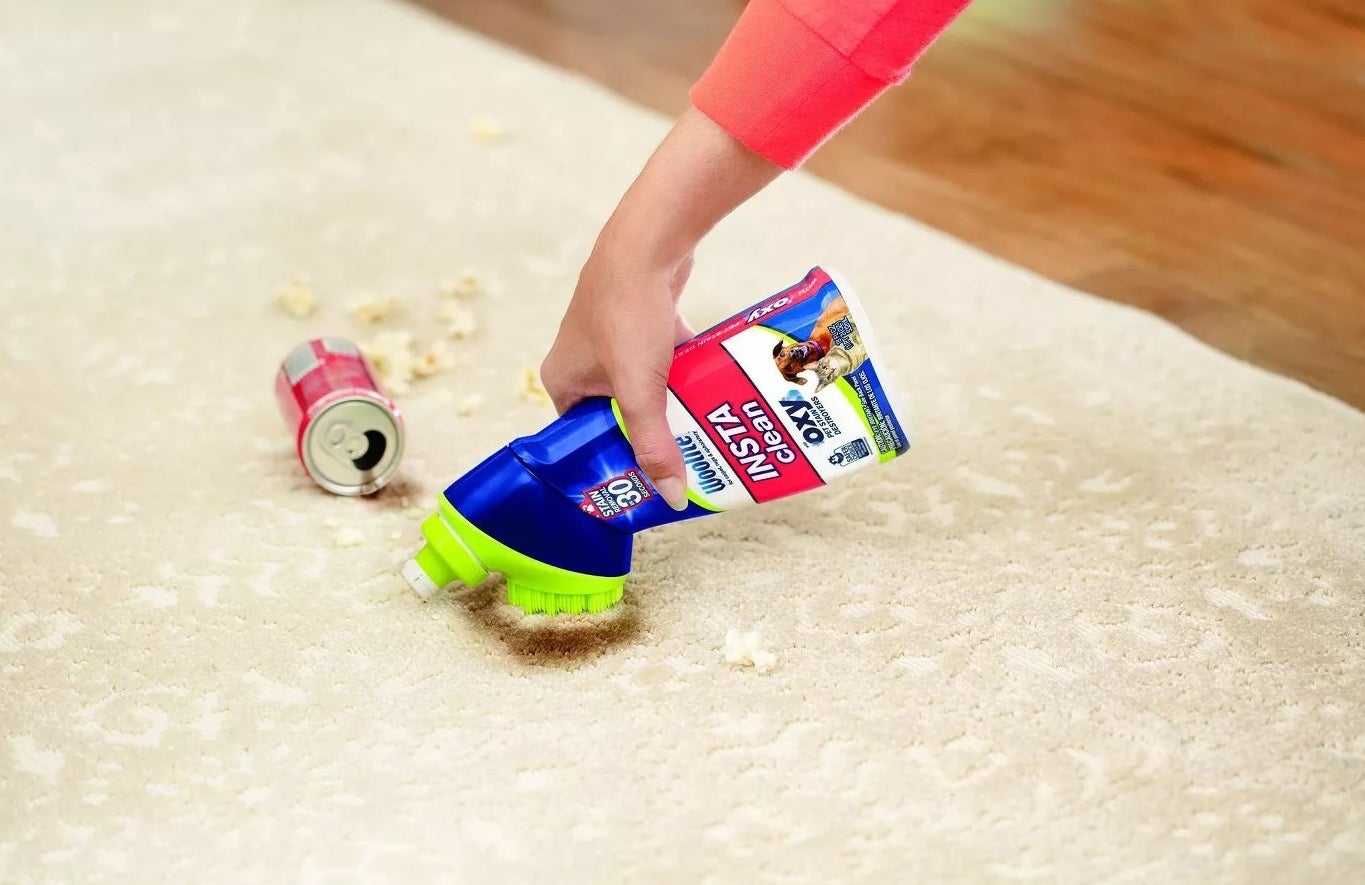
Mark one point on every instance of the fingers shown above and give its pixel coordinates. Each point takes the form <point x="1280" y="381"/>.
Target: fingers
<point x="617" y="339"/>
<point x="570" y="372"/>
<point x="566" y="388"/>
<point x="560" y="383"/>
<point x="656" y="451"/>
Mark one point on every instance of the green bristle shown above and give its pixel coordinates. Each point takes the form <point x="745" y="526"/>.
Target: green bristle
<point x="534" y="601"/>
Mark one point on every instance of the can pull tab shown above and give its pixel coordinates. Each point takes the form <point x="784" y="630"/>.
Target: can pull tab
<point x="362" y="450"/>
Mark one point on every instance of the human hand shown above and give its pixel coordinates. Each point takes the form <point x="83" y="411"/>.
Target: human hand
<point x="617" y="339"/>
<point x="618" y="335"/>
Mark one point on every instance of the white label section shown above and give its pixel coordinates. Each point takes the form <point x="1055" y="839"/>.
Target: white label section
<point x="710" y="481"/>
<point x="830" y="426"/>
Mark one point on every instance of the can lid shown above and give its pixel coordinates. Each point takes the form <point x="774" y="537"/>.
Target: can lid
<point x="353" y="446"/>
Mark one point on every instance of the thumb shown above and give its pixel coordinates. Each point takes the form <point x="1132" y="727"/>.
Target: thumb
<point x="656" y="451"/>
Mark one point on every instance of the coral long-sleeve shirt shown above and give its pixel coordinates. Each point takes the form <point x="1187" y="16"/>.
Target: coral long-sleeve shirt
<point x="793" y="72"/>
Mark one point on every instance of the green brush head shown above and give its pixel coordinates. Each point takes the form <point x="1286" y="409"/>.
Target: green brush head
<point x="457" y="550"/>
<point x="532" y="601"/>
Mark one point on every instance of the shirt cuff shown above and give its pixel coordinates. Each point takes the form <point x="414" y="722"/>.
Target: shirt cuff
<point x="779" y="88"/>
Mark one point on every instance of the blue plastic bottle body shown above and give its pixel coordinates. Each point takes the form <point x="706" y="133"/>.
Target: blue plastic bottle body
<point x="529" y="495"/>
<point x="586" y="447"/>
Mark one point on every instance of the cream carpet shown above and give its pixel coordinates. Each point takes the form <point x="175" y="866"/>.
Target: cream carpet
<point x="1104" y="623"/>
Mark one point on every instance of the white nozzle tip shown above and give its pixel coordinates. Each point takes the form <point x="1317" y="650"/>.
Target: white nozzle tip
<point x="418" y="580"/>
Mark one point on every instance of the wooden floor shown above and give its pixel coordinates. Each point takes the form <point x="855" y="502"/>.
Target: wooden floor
<point x="1205" y="161"/>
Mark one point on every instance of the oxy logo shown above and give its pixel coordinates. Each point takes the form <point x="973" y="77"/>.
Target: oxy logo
<point x="799" y="411"/>
<point x="761" y="311"/>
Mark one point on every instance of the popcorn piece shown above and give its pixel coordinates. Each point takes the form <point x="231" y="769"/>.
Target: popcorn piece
<point x="415" y="513"/>
<point x="738" y="645"/>
<point x="742" y="649"/>
<point x="374" y="311"/>
<point x="464" y="285"/>
<point x="347" y="537"/>
<point x="465" y="407"/>
<point x="296" y="299"/>
<point x="531" y="389"/>
<point x="459" y="320"/>
<point x="404" y="501"/>
<point x="391" y="355"/>
<point x="438" y="358"/>
<point x="396" y="535"/>
<point x="487" y="129"/>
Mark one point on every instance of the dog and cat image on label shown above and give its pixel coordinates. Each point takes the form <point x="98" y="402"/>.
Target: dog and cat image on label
<point x="781" y="399"/>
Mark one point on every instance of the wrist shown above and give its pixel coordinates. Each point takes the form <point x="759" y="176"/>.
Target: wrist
<point x="644" y="231"/>
<point x="698" y="175"/>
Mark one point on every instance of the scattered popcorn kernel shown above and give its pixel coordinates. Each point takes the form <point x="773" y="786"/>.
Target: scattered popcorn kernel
<point x="737" y="644"/>
<point x="438" y="358"/>
<point x="742" y="649"/>
<point x="487" y="129"/>
<point x="404" y="501"/>
<point x="396" y="535"/>
<point x="459" y="321"/>
<point x="374" y="311"/>
<point x="466" y="407"/>
<point x="464" y="285"/>
<point x="348" y="538"/>
<point x="296" y="299"/>
<point x="391" y="355"/>
<point x="531" y="389"/>
<point x="415" y="513"/>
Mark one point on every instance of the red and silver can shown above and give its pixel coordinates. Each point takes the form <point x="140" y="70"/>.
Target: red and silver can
<point x="349" y="434"/>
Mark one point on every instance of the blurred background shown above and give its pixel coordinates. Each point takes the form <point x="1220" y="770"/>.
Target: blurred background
<point x="1205" y="161"/>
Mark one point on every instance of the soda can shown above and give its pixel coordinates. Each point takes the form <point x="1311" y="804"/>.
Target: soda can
<point x="349" y="435"/>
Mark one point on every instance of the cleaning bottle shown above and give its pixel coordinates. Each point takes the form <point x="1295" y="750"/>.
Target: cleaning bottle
<point x="776" y="400"/>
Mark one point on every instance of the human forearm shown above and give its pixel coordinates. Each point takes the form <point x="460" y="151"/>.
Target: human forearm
<point x="698" y="175"/>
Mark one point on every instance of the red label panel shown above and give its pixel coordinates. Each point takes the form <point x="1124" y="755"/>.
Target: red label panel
<point x="742" y="427"/>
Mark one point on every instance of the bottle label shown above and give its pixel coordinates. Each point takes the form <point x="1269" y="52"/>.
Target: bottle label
<point x="781" y="398"/>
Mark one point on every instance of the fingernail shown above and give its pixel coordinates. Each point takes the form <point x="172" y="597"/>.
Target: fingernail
<point x="674" y="492"/>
